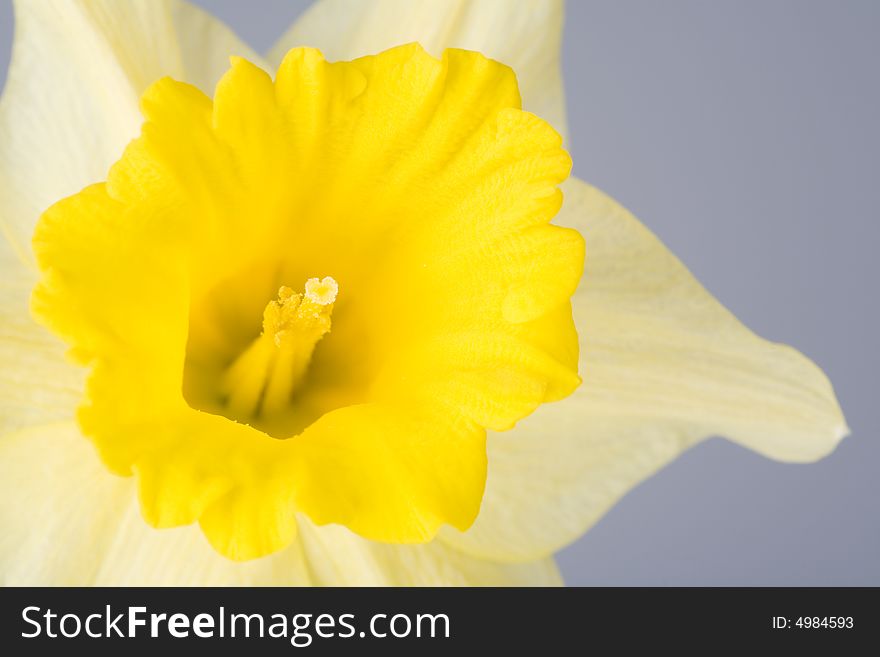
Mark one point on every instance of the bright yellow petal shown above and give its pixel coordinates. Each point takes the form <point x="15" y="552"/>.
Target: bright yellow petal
<point x="69" y="108"/>
<point x="420" y="186"/>
<point x="71" y="99"/>
<point x="67" y="521"/>
<point x="664" y="366"/>
<point x="524" y="34"/>
<point x="391" y="474"/>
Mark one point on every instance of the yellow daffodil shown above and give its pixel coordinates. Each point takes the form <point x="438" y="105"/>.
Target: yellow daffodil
<point x="306" y="320"/>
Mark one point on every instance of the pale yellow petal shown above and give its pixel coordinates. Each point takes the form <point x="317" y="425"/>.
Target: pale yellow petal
<point x="57" y="507"/>
<point x="206" y="44"/>
<point x="67" y="521"/>
<point x="340" y="558"/>
<point x="69" y="108"/>
<point x="71" y="99"/>
<point x="37" y="384"/>
<point x="140" y="555"/>
<point x="664" y="366"/>
<point x="524" y="34"/>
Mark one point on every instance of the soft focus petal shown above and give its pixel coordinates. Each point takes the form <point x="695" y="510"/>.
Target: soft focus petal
<point x="206" y="44"/>
<point x="67" y="521"/>
<point x="68" y="110"/>
<point x="524" y="34"/>
<point x="58" y="506"/>
<point x="664" y="365"/>
<point x="71" y="99"/>
<point x="37" y="384"/>
<point x="139" y="555"/>
<point x="340" y="558"/>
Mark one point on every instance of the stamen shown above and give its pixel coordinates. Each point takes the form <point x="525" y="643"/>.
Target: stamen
<point x="264" y="377"/>
<point x="323" y="292"/>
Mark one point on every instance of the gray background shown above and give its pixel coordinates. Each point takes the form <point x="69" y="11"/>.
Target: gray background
<point x="745" y="133"/>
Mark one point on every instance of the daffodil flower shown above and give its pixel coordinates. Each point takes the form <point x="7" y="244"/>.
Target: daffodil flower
<point x="323" y="317"/>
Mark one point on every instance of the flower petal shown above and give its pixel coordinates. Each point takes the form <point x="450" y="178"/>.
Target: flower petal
<point x="71" y="98"/>
<point x="67" y="521"/>
<point x="206" y="44"/>
<point x="526" y="35"/>
<point x="391" y="474"/>
<point x="56" y="506"/>
<point x="37" y="384"/>
<point x="431" y="349"/>
<point x="76" y="65"/>
<point x="664" y="366"/>
<point x="340" y="558"/>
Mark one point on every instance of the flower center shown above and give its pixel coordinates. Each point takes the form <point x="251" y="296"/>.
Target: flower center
<point x="265" y="376"/>
<point x="424" y="188"/>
